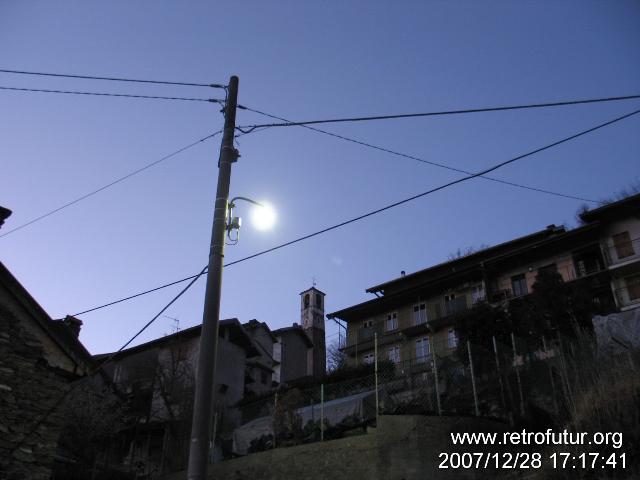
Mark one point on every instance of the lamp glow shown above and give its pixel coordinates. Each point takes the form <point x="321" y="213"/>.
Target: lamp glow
<point x="263" y="216"/>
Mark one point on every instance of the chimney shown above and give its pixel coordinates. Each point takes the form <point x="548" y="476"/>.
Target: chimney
<point x="4" y="214"/>
<point x="402" y="273"/>
<point x="74" y="324"/>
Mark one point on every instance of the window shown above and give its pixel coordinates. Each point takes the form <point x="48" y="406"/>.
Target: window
<point x="367" y="323"/>
<point x="306" y="301"/>
<point x="633" y="287"/>
<point x="318" y="300"/>
<point x="452" y="338"/>
<point x="622" y="244"/>
<point x="394" y="354"/>
<point x="519" y="285"/>
<point x="392" y="321"/>
<point x="422" y="349"/>
<point x="477" y="294"/>
<point x="420" y="313"/>
<point x="368" y="359"/>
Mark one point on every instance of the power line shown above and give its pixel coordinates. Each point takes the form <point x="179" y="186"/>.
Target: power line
<point x="113" y="79"/>
<point x="101" y="94"/>
<point x="102" y="364"/>
<point x="249" y="128"/>
<point x="387" y="207"/>
<point x="104" y="187"/>
<point x="418" y="159"/>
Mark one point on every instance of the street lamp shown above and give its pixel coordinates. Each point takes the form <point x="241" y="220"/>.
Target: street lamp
<point x="263" y="217"/>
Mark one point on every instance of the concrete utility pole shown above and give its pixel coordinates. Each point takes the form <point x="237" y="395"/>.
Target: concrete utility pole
<point x="203" y="403"/>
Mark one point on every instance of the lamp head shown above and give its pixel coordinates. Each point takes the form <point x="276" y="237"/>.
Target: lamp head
<point x="263" y="216"/>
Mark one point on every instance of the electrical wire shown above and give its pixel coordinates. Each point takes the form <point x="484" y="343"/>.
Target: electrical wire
<point x="249" y="128"/>
<point x="102" y="364"/>
<point x="104" y="187"/>
<point x="101" y="94"/>
<point x="113" y="79"/>
<point x="418" y="159"/>
<point x="387" y="207"/>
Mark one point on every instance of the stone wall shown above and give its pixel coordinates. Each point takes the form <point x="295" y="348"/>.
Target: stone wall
<point x="28" y="389"/>
<point x="401" y="448"/>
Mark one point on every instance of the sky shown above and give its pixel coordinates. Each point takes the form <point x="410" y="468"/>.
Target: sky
<point x="301" y="61"/>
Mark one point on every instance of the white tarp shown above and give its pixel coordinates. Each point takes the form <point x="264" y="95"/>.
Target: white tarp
<point x="361" y="405"/>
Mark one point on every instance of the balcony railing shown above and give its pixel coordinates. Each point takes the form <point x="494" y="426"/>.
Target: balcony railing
<point x="622" y="252"/>
<point x="628" y="296"/>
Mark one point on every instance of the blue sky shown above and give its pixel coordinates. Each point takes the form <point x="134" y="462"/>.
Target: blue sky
<point x="299" y="60"/>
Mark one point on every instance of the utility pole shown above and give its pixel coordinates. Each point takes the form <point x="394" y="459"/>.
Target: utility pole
<point x="203" y="403"/>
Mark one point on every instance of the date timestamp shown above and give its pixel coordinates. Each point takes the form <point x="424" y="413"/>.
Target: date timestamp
<point x="525" y="460"/>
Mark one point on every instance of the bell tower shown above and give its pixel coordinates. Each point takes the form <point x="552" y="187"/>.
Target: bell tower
<point x="312" y="320"/>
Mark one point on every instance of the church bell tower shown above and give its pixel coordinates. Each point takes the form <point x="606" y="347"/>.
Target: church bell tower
<point x="312" y="320"/>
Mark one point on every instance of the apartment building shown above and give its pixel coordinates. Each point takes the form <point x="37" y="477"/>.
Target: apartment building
<point x="414" y="315"/>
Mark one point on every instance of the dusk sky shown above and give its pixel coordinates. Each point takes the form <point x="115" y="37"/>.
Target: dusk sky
<point x="302" y="61"/>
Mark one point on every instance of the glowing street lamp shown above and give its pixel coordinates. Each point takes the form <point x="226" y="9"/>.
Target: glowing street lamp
<point x="263" y="217"/>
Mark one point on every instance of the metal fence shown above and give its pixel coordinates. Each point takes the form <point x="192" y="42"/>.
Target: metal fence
<point x="502" y="378"/>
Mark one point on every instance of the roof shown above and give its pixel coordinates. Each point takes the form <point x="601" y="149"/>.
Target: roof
<point x="295" y="329"/>
<point x="313" y="288"/>
<point x="474" y="258"/>
<point x="454" y="269"/>
<point x="629" y="205"/>
<point x="60" y="333"/>
<point x="237" y="335"/>
<point x="255" y="324"/>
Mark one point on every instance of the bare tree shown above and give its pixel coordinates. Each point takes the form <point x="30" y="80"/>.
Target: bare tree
<point x="336" y="358"/>
<point x="172" y="404"/>
<point x="465" y="252"/>
<point x="94" y="415"/>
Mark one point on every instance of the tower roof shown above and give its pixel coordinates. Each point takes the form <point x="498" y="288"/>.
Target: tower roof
<point x="311" y="289"/>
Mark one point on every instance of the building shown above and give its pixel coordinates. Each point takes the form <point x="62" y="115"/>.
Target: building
<point x="292" y="352"/>
<point x="39" y="359"/>
<point x="159" y="378"/>
<point x="312" y="320"/>
<point x="413" y="315"/>
<point x="260" y="369"/>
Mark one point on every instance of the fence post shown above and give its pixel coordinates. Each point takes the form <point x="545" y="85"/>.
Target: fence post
<point x="322" y="412"/>
<point x="473" y="380"/>
<point x="495" y="353"/>
<point x="515" y="354"/>
<point x="435" y="374"/>
<point x="553" y="383"/>
<point x="275" y="418"/>
<point x="375" y="370"/>
<point x="565" y="375"/>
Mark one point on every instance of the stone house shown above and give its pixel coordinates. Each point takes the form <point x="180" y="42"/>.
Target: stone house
<point x="39" y="360"/>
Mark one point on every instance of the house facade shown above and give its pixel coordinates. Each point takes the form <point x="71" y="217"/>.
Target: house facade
<point x="39" y="360"/>
<point x="292" y="351"/>
<point x="413" y="316"/>
<point x="260" y="375"/>
<point x="159" y="378"/>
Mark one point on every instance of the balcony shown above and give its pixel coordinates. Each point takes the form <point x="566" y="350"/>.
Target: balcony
<point x="628" y="297"/>
<point x="456" y="305"/>
<point x="622" y="253"/>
